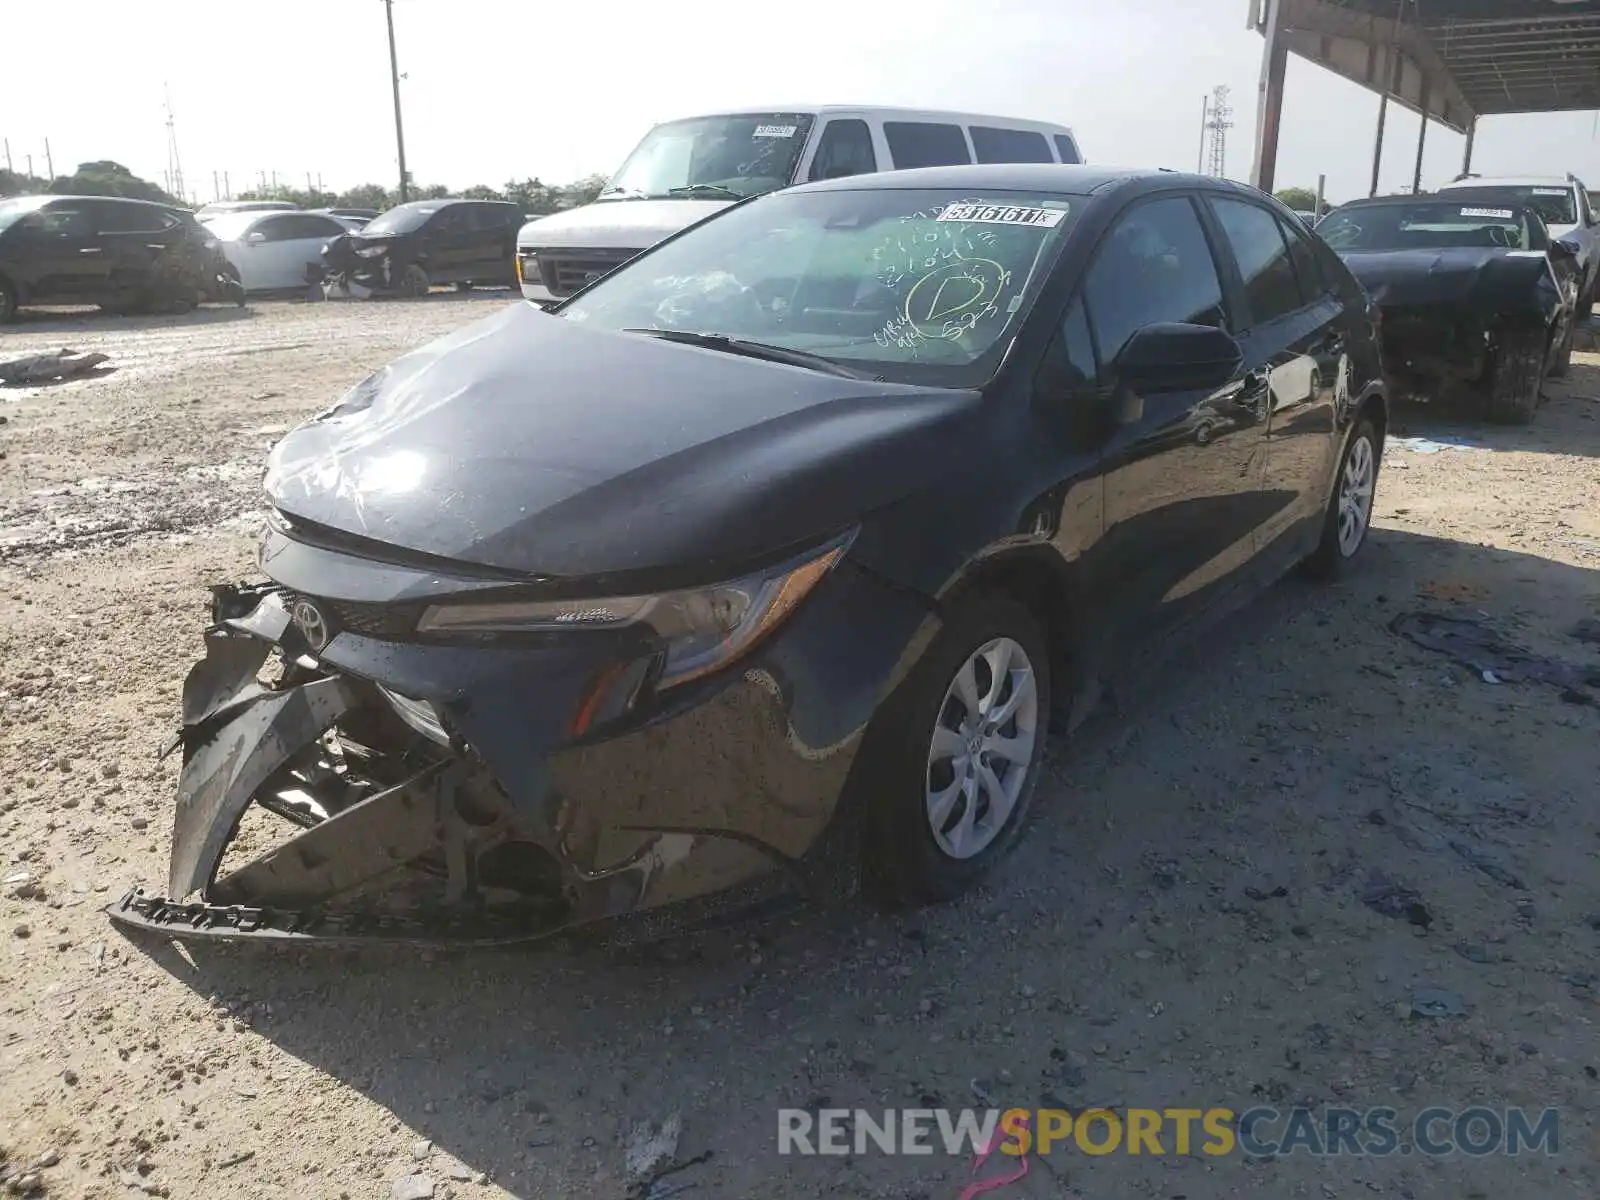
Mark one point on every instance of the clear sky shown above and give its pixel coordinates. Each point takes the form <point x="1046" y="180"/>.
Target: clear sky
<point x="501" y="89"/>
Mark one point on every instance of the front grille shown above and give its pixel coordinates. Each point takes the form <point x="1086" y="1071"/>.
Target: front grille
<point x="565" y="271"/>
<point x="390" y="622"/>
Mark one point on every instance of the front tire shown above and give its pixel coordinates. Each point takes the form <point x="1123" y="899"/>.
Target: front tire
<point x="415" y="282"/>
<point x="1516" y="378"/>
<point x="1349" y="517"/>
<point x="959" y="754"/>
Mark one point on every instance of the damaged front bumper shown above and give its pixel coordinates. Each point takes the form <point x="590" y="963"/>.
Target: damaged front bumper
<point x="463" y="819"/>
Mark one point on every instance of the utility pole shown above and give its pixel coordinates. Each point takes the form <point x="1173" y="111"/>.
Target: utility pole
<point x="29" y="159"/>
<point x="1205" y="117"/>
<point x="394" y="79"/>
<point x="49" y="164"/>
<point x="8" y="154"/>
<point x="174" y="166"/>
<point x="227" y="188"/>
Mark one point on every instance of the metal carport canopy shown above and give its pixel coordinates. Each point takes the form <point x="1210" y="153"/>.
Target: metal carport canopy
<point x="1451" y="60"/>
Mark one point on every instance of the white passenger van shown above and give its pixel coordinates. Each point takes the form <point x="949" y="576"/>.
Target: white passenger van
<point x="688" y="169"/>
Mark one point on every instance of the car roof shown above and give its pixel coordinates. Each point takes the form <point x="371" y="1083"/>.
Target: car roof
<point x="1489" y="181"/>
<point x="172" y="206"/>
<point x="881" y="110"/>
<point x="1021" y="177"/>
<point x="1429" y="198"/>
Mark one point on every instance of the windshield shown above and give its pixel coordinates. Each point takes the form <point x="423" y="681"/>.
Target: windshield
<point x="13" y="210"/>
<point x="403" y="219"/>
<point x="1436" y="225"/>
<point x="918" y="286"/>
<point x="743" y="154"/>
<point x="229" y="227"/>
<point x="1554" y="204"/>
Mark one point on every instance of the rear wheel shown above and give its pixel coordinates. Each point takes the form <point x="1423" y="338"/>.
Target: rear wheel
<point x="1515" y="379"/>
<point x="959" y="752"/>
<point x="1349" y="515"/>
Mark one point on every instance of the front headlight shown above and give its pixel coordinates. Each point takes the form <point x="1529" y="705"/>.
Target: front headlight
<point x="371" y="251"/>
<point x="704" y="628"/>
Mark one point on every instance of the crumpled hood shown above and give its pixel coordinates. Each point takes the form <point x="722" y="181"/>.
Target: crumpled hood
<point x="1492" y="277"/>
<point x="527" y="443"/>
<point x="616" y="224"/>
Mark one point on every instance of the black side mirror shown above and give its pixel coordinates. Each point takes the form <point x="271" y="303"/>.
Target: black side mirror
<point x="1563" y="248"/>
<point x="1170" y="357"/>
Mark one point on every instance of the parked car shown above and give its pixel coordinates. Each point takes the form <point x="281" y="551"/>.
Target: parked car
<point x="1563" y="205"/>
<point x="1469" y="294"/>
<point x="218" y="208"/>
<point x="276" y="250"/>
<point x="1307" y="216"/>
<point x="412" y="247"/>
<point x="123" y="255"/>
<point x="771" y="557"/>
<point x="686" y="170"/>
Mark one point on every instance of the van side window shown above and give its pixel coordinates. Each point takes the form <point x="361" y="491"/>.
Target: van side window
<point x="845" y="149"/>
<point x="1009" y="145"/>
<point x="1068" y="149"/>
<point x="924" y="144"/>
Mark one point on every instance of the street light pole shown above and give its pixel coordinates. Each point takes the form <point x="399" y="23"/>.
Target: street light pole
<point x="394" y="79"/>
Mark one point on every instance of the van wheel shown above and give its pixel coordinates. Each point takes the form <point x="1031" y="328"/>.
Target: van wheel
<point x="1515" y="379"/>
<point x="958" y="754"/>
<point x="8" y="302"/>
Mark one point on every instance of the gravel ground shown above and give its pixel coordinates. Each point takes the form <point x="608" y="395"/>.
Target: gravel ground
<point x="1185" y="927"/>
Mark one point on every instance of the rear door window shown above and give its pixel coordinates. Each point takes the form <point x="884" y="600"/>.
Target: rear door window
<point x="845" y="149"/>
<point x="111" y="217"/>
<point x="1271" y="289"/>
<point x="1067" y="149"/>
<point x="925" y="144"/>
<point x="993" y="145"/>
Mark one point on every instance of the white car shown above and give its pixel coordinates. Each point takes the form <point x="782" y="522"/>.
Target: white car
<point x="219" y="208"/>
<point x="273" y="250"/>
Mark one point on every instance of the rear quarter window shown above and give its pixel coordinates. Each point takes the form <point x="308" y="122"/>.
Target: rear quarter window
<point x="1067" y="149"/>
<point x="925" y="144"/>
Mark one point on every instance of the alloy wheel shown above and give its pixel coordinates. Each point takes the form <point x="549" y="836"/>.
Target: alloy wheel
<point x="1355" y="494"/>
<point x="984" y="740"/>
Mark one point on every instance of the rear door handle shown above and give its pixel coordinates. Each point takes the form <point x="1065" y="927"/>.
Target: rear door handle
<point x="89" y="250"/>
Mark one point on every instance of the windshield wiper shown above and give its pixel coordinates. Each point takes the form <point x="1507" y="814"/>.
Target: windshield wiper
<point x="705" y="189"/>
<point x="761" y="350"/>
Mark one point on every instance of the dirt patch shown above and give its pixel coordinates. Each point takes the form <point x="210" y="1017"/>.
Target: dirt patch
<point x="1318" y="863"/>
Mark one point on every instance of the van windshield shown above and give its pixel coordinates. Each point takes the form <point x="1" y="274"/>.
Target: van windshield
<point x="918" y="286"/>
<point x="736" y="156"/>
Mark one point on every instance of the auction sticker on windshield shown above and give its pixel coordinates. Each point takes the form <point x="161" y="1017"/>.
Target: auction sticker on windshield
<point x="1004" y="214"/>
<point x="775" y="131"/>
<point x="1504" y="214"/>
<point x="1549" y="191"/>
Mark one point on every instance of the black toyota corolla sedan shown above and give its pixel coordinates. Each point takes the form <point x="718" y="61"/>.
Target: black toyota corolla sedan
<point x="765" y="563"/>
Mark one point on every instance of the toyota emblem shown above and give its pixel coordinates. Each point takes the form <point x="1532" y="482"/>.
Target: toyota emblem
<point x="313" y="626"/>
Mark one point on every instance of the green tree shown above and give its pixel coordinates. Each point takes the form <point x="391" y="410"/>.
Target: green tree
<point x="107" y="178"/>
<point x="582" y="192"/>
<point x="481" y="191"/>
<point x="367" y="195"/>
<point x="1298" y="198"/>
